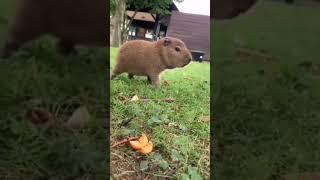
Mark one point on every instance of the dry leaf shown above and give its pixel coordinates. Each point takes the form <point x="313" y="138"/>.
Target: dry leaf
<point x="135" y="98"/>
<point x="79" y="118"/>
<point x="168" y="100"/>
<point x="39" y="115"/>
<point x="204" y="119"/>
<point x="123" y="98"/>
<point x="166" y="82"/>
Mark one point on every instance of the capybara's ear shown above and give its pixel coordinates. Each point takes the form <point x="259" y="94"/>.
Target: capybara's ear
<point x="167" y="41"/>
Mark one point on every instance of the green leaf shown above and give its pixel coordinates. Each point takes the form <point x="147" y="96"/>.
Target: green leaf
<point x="193" y="172"/>
<point x="154" y="120"/>
<point x="157" y="157"/>
<point x="185" y="177"/>
<point x="184" y="143"/>
<point x="164" y="164"/>
<point x="176" y="156"/>
<point x="144" y="165"/>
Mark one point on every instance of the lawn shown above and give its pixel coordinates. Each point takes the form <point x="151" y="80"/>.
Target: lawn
<point x="179" y="129"/>
<point x="266" y="93"/>
<point x="39" y="77"/>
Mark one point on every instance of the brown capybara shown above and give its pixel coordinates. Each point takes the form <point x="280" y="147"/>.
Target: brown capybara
<point x="228" y="9"/>
<point x="145" y="58"/>
<point x="73" y="22"/>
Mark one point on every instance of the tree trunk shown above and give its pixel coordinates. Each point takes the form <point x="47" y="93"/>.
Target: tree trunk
<point x="126" y="26"/>
<point x="117" y="22"/>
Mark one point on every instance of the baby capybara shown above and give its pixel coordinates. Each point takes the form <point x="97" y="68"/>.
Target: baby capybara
<point x="74" y="22"/>
<point x="145" y="58"/>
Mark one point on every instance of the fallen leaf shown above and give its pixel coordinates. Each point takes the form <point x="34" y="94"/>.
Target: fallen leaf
<point x="79" y="118"/>
<point x="38" y="115"/>
<point x="166" y="82"/>
<point x="169" y="100"/>
<point x="188" y="78"/>
<point x="204" y="119"/>
<point x="123" y="98"/>
<point x="135" y="98"/>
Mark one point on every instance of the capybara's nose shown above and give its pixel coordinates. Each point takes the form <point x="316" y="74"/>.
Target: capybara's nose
<point x="190" y="57"/>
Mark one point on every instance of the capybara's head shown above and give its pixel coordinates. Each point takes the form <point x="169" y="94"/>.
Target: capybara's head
<point x="174" y="52"/>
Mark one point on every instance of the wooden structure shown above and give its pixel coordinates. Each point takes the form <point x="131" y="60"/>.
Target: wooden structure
<point x="193" y="29"/>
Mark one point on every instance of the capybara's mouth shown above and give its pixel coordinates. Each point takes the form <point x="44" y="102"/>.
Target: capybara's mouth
<point x="188" y="61"/>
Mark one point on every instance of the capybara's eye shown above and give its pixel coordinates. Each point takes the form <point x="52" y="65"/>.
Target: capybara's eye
<point x="177" y="49"/>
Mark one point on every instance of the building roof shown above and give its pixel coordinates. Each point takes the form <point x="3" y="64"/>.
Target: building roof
<point x="171" y="7"/>
<point x="193" y="29"/>
<point x="142" y="16"/>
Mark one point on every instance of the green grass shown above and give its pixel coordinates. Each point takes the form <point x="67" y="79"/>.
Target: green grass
<point x="40" y="77"/>
<point x="267" y="114"/>
<point x="179" y="130"/>
<point x="60" y="85"/>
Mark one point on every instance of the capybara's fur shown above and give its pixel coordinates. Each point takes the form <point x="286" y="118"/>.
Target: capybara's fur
<point x="145" y="58"/>
<point x="74" y="22"/>
<point x="228" y="9"/>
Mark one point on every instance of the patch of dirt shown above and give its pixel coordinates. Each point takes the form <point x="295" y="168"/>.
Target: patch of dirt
<point x="123" y="166"/>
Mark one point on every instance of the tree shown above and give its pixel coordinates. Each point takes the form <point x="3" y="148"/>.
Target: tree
<point x="120" y="25"/>
<point x="118" y="8"/>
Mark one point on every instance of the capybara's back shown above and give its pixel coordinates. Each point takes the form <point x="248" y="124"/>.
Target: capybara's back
<point x="137" y="57"/>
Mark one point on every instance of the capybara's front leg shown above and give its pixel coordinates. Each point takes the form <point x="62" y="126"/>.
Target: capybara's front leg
<point x="155" y="80"/>
<point x="149" y="80"/>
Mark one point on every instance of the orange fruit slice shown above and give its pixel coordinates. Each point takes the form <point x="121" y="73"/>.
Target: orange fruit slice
<point x="146" y="149"/>
<point x="140" y="143"/>
<point x="136" y="145"/>
<point x="143" y="140"/>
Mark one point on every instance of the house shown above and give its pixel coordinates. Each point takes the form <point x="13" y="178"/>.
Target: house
<point x="193" y="29"/>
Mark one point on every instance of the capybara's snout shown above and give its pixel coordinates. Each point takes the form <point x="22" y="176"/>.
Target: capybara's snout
<point x="188" y="58"/>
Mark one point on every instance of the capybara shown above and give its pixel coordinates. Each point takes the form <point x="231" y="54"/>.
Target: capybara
<point x="146" y="58"/>
<point x="73" y="22"/>
<point x="228" y="9"/>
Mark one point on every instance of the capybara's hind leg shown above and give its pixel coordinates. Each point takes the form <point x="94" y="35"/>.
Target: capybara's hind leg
<point x="66" y="47"/>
